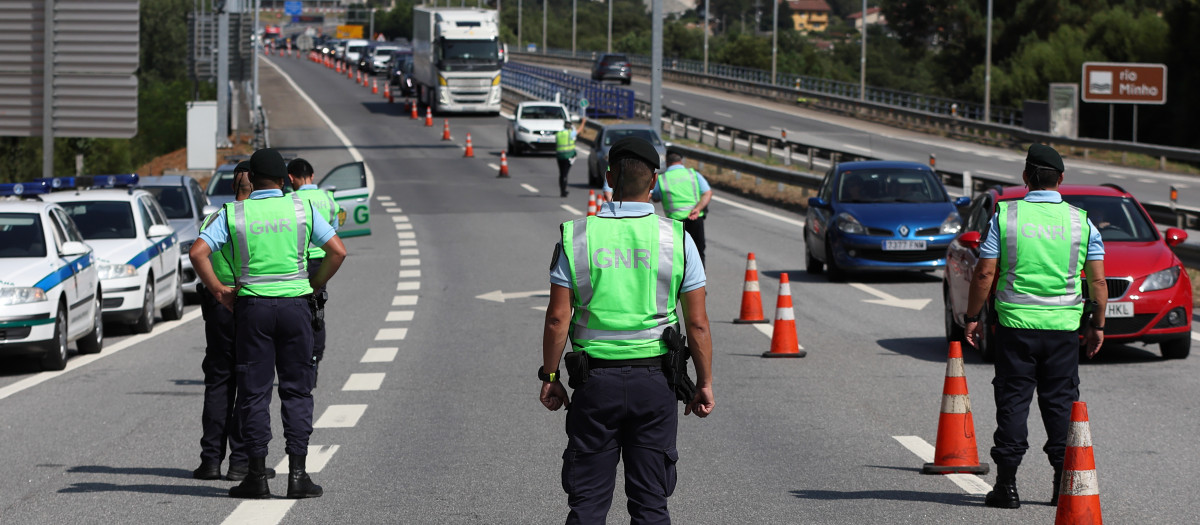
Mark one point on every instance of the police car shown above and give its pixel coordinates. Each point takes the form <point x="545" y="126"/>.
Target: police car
<point x="50" y="293"/>
<point x="137" y="253"/>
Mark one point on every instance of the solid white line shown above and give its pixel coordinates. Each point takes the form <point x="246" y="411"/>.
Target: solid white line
<point x="407" y="242"/>
<point x="764" y="213"/>
<point x="399" y="218"/>
<point x="406" y="235"/>
<point x="404" y="300"/>
<point x="410" y="262"/>
<point x="994" y="174"/>
<point x="406" y="274"/>
<point x="318" y="457"/>
<point x="970" y="483"/>
<point x="410" y="251"/>
<point x="391" y="334"/>
<point x="364" y="381"/>
<point x="680" y="102"/>
<point x="332" y="127"/>
<point x="767" y="329"/>
<point x="571" y="210"/>
<point x="340" y="416"/>
<point x="380" y="355"/>
<point x="1147" y="181"/>
<point x="408" y="286"/>
<point x="529" y="188"/>
<point x="719" y="114"/>
<point x="399" y="315"/>
<point x="859" y="148"/>
<point x="260" y="512"/>
<point x="82" y="361"/>
<point x="494" y="166"/>
<point x="404" y="226"/>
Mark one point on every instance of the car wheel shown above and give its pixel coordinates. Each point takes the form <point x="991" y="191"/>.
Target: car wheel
<point x="1176" y="348"/>
<point x="94" y="341"/>
<point x="174" y="311"/>
<point x="835" y="273"/>
<point x="954" y="333"/>
<point x="811" y="264"/>
<point x="145" y="322"/>
<point x="55" y="357"/>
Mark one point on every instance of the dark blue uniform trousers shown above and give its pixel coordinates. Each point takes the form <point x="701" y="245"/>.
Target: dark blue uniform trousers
<point x="621" y="413"/>
<point x="322" y="297"/>
<point x="274" y="333"/>
<point x="220" y="419"/>
<point x="1028" y="360"/>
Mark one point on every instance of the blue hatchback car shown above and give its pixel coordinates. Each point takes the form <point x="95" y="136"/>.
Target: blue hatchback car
<point x="880" y="216"/>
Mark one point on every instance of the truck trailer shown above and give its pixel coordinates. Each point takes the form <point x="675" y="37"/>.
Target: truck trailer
<point x="457" y="59"/>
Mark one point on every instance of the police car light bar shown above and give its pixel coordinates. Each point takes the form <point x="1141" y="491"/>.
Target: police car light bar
<point x="97" y="181"/>
<point x="59" y="183"/>
<point x="115" y="181"/>
<point x="24" y="188"/>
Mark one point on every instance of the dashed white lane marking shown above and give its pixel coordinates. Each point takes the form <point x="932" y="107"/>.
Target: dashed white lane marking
<point x="410" y="262"/>
<point x="858" y="148"/>
<point x="404" y="226"/>
<point x="969" y="482"/>
<point x="408" y="286"/>
<point x="393" y="210"/>
<point x="776" y="128"/>
<point x="494" y="166"/>
<point x="571" y="210"/>
<point x="384" y="197"/>
<point x="1089" y="172"/>
<point x="84" y="360"/>
<point x="380" y="355"/>
<point x="720" y="114"/>
<point x="529" y="188"/>
<point x="340" y="416"/>
<point x="994" y="174"/>
<point x="407" y="242"/>
<point x="764" y="213"/>
<point x="318" y="457"/>
<point x="260" y="512"/>
<point x="399" y="315"/>
<point x="408" y="274"/>
<point x="404" y="300"/>
<point x="410" y="251"/>
<point x="680" y="102"/>
<point x="1147" y="181"/>
<point x="399" y="218"/>
<point x="1195" y="336"/>
<point x="540" y="308"/>
<point x="388" y="204"/>
<point x="391" y="334"/>
<point x="406" y="235"/>
<point x="364" y="381"/>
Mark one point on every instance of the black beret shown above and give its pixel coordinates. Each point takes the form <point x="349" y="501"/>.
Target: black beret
<point x="1044" y="156"/>
<point x="267" y="163"/>
<point x="635" y="147"/>
<point x="242" y="166"/>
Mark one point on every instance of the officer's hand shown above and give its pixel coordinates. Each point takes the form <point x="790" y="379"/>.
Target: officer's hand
<point x="225" y="295"/>
<point x="974" y="333"/>
<point x="694" y="214"/>
<point x="702" y="404"/>
<point x="1093" y="341"/>
<point x="554" y="396"/>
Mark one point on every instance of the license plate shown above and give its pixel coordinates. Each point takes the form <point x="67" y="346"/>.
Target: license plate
<point x="1121" y="309"/>
<point x="903" y="245"/>
<point x="546" y="139"/>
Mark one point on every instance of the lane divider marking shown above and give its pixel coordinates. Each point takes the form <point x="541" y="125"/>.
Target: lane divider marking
<point x="408" y="274"/>
<point x="391" y="334"/>
<point x="318" y="457"/>
<point x="410" y="262"/>
<point x="406" y="235"/>
<point x="971" y="483"/>
<point x="399" y="316"/>
<point x="410" y="251"/>
<point x="260" y="512"/>
<point x="380" y="355"/>
<point x="764" y="213"/>
<point x="389" y="204"/>
<point x="768" y="329"/>
<point x="364" y="381"/>
<point x="571" y="210"/>
<point x="494" y="166"/>
<point x="404" y="226"/>
<point x="720" y="114"/>
<point x="408" y="286"/>
<point x="400" y="218"/>
<point x="404" y="300"/>
<point x="407" y="242"/>
<point x="340" y="416"/>
<point x="393" y="210"/>
<point x="384" y="197"/>
<point x="529" y="188"/>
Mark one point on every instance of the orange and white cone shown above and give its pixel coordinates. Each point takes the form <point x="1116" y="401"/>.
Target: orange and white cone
<point x="783" y="338"/>
<point x="375" y="86"/>
<point x="339" y="67"/>
<point x="1079" y="494"/>
<point x="752" y="311"/>
<point x="503" y="166"/>
<point x="413" y="104"/>
<point x="428" y="117"/>
<point x="591" y="203"/>
<point x="470" y="151"/>
<point x="955" y="451"/>
<point x="387" y="93"/>
<point x="445" y="129"/>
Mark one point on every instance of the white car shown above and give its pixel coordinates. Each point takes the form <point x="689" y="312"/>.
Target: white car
<point x="49" y="288"/>
<point x="137" y="253"/>
<point x="534" y="125"/>
<point x="354" y="51"/>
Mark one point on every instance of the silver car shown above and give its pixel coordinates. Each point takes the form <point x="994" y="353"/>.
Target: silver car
<point x="598" y="161"/>
<point x="186" y="206"/>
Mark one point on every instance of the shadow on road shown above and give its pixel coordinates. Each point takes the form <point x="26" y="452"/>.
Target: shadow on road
<point x="896" y="495"/>
<point x="162" y="472"/>
<point x="932" y="349"/>
<point x="802" y="275"/>
<point x="1116" y="354"/>
<point x="384" y="108"/>
<point x="202" y="491"/>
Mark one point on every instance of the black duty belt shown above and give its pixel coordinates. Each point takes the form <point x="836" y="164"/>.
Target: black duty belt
<point x="644" y="362"/>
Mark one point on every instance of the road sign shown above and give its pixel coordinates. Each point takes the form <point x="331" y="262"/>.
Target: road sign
<point x="583" y="103"/>
<point x="293" y="8"/>
<point x="1124" y="83"/>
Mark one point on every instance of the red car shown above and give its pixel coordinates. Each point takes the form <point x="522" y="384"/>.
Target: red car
<point x="1149" y="293"/>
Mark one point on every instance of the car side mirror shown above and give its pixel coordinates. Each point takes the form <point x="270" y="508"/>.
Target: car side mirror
<point x="968" y="239"/>
<point x="210" y="209"/>
<point x="962" y="201"/>
<point x="817" y="202"/>
<point x="73" y="248"/>
<point x="159" y="230"/>
<point x="1175" y="236"/>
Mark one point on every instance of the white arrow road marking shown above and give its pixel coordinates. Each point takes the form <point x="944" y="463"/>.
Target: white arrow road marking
<point x="499" y="296"/>
<point x="887" y="299"/>
<point x="969" y="482"/>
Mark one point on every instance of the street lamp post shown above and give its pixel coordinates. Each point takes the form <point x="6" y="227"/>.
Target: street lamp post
<point x="544" y="26"/>
<point x="705" y="37"/>
<point x="656" y="63"/>
<point x="610" y="3"/>
<point x="573" y="13"/>
<point x="775" y="38"/>
<point x="862" y="62"/>
<point x="987" y="70"/>
<point x="519" y="12"/>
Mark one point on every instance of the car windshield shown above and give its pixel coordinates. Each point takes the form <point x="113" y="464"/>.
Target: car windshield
<point x="470" y="50"/>
<point x="102" y="219"/>
<point x="1117" y="218"/>
<point x="221" y="183"/>
<point x="614" y="59"/>
<point x="173" y="199"/>
<point x="614" y="135"/>
<point x="889" y="185"/>
<point x="355" y="48"/>
<point x="543" y="113"/>
<point x="384" y="52"/>
<point x="21" y="235"/>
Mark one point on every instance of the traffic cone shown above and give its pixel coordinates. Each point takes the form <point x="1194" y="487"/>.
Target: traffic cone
<point x="783" y="338"/>
<point x="374" y="86"/>
<point x="339" y="68"/>
<point x="591" y="203"/>
<point x="428" y="117"/>
<point x="413" y="104"/>
<point x="470" y="151"/>
<point x="503" y="166"/>
<point x="446" y="129"/>
<point x="387" y="92"/>
<point x="1079" y="495"/>
<point x="955" y="450"/>
<point x="751" y="298"/>
<point x="357" y="77"/>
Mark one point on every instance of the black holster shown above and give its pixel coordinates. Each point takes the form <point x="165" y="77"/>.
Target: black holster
<point x="577" y="369"/>
<point x="675" y="365"/>
<point x="318" y="312"/>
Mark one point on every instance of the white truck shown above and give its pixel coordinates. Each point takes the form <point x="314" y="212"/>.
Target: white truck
<point x="457" y="59"/>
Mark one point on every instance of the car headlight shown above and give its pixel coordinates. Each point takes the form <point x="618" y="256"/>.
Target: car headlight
<point x="523" y="130"/>
<point x="1160" y="280"/>
<point x="117" y="271"/>
<point x="846" y="223"/>
<point x="11" y="296"/>
<point x="952" y="224"/>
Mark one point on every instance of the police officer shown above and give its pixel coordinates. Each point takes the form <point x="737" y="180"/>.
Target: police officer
<point x="300" y="172"/>
<point x="685" y="195"/>
<point x="270" y="234"/>
<point x="219" y="418"/>
<point x="564" y="150"/>
<point x="1037" y="246"/>
<point x="616" y="281"/>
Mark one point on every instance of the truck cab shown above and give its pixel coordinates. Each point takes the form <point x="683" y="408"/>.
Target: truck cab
<point x="457" y="59"/>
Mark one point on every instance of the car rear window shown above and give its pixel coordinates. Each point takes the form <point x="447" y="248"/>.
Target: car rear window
<point x="1117" y="218"/>
<point x="173" y="199"/>
<point x="21" y="235"/>
<point x="221" y="183"/>
<point x="102" y="219"/>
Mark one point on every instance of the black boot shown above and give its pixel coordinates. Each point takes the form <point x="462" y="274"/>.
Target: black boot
<point x="1058" y="471"/>
<point x="207" y="470"/>
<point x="238" y="472"/>
<point x="255" y="484"/>
<point x="1004" y="496"/>
<point x="299" y="484"/>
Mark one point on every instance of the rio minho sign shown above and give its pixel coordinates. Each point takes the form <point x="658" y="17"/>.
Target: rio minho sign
<point x="1124" y="83"/>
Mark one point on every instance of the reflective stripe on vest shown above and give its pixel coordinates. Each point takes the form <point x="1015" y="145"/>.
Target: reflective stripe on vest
<point x="564" y="145"/>
<point x="680" y="192"/>
<point x="243" y="256"/>
<point x="592" y="323"/>
<point x="320" y="200"/>
<point x="1041" y="286"/>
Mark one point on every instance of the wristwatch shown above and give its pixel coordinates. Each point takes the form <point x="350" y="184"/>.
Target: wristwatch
<point x="972" y="318"/>
<point x="548" y="378"/>
<point x="1097" y="328"/>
